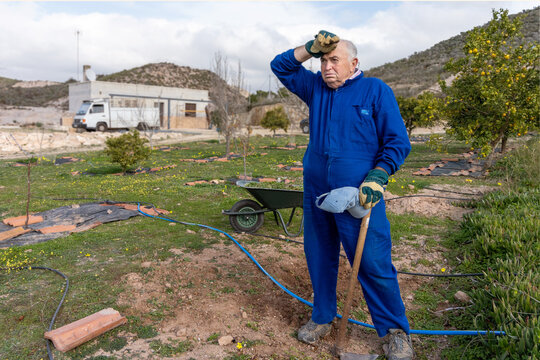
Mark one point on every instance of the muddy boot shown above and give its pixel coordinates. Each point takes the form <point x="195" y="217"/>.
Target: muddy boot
<point x="312" y="332"/>
<point x="399" y="347"/>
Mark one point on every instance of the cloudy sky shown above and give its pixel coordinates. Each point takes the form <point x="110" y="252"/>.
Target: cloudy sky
<point x="38" y="40"/>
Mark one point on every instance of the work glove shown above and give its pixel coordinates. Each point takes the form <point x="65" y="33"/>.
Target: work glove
<point x="324" y="43"/>
<point x="372" y="189"/>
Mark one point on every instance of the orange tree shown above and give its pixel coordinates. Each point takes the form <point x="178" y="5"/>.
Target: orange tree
<point x="494" y="95"/>
<point x="422" y="111"/>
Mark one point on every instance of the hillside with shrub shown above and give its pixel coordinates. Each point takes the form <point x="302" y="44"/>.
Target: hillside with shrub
<point x="5" y="82"/>
<point x="164" y="74"/>
<point x="420" y="71"/>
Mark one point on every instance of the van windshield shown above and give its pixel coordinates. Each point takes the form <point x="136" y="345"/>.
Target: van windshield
<point x="83" y="109"/>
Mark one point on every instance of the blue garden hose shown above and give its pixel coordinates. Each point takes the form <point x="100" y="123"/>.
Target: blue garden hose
<point x="417" y="332"/>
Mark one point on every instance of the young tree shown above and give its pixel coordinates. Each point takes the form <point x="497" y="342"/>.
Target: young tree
<point x="422" y="111"/>
<point x="406" y="108"/>
<point x="496" y="90"/>
<point x="227" y="100"/>
<point x="275" y="119"/>
<point x="148" y="118"/>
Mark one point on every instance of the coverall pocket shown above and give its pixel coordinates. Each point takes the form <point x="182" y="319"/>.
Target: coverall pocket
<point x="363" y="128"/>
<point x="365" y="114"/>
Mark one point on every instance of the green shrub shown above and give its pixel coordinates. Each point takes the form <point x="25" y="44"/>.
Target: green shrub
<point x="275" y="119"/>
<point x="127" y="149"/>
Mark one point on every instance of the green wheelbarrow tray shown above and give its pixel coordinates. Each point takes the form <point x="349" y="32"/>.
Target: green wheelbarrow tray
<point x="248" y="215"/>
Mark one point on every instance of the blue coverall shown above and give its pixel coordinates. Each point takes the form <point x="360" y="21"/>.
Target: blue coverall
<point x="353" y="129"/>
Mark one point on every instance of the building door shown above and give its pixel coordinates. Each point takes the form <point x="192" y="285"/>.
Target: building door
<point x="161" y="111"/>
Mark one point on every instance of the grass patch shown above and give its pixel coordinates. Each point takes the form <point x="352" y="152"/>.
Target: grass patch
<point x="97" y="261"/>
<point x="171" y="349"/>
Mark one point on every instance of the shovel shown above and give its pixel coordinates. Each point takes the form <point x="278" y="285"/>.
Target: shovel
<point x="337" y="350"/>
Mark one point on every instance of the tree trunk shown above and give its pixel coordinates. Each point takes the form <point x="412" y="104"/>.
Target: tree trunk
<point x="28" y="181"/>
<point x="503" y="143"/>
<point x="491" y="156"/>
<point x="227" y="145"/>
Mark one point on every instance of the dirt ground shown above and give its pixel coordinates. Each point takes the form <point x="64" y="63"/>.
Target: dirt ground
<point x="20" y="137"/>
<point x="221" y="291"/>
<point x="36" y="131"/>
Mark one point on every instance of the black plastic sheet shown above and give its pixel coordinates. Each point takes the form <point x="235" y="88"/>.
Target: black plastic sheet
<point x="84" y="216"/>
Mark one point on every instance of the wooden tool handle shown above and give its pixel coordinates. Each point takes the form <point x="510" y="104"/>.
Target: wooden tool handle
<point x="352" y="281"/>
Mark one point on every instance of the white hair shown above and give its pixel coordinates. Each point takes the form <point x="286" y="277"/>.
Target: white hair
<point x="351" y="49"/>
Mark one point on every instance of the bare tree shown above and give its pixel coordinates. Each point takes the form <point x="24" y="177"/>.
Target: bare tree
<point x="292" y="103"/>
<point x="227" y="99"/>
<point x="148" y="118"/>
<point x="28" y="179"/>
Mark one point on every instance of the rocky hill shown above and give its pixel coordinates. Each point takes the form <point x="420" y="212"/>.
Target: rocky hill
<point x="408" y="77"/>
<point x="5" y="82"/>
<point x="168" y="74"/>
<point x="165" y="74"/>
<point x="420" y="71"/>
<point x="161" y="74"/>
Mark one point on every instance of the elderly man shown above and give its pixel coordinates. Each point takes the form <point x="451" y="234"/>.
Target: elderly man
<point x="357" y="138"/>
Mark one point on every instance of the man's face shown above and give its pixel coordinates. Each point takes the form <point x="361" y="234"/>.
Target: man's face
<point x="336" y="66"/>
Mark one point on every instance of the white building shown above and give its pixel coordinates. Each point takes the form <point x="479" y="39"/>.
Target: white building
<point x="178" y="107"/>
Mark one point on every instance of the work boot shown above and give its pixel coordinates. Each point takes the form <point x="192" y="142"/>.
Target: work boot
<point x="399" y="347"/>
<point x="312" y="332"/>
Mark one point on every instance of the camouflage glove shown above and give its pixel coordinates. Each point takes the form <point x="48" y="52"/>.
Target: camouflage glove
<point x="324" y="43"/>
<point x="372" y="189"/>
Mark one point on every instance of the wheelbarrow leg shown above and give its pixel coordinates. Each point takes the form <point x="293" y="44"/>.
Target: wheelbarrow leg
<point x="276" y="212"/>
<point x="291" y="217"/>
<point x="286" y="227"/>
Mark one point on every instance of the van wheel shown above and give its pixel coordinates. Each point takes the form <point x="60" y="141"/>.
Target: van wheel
<point x="142" y="126"/>
<point x="101" y="127"/>
<point x="304" y="125"/>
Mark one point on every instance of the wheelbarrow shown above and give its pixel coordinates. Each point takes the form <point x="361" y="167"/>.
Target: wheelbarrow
<point x="248" y="215"/>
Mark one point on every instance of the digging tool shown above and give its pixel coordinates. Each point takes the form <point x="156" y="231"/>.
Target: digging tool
<point x="348" y="301"/>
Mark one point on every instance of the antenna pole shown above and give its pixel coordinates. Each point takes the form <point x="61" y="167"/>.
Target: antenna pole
<point x="78" y="78"/>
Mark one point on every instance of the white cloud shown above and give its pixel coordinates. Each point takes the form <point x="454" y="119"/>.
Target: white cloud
<point x="39" y="42"/>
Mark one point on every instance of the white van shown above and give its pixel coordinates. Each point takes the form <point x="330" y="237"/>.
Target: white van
<point x="98" y="115"/>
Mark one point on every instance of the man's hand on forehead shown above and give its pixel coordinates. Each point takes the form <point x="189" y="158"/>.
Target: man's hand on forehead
<point x="324" y="43"/>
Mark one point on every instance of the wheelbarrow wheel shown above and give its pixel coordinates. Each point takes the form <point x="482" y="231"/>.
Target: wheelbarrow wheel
<point x="248" y="222"/>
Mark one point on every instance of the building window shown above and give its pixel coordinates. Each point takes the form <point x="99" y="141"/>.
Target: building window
<point x="191" y="109"/>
